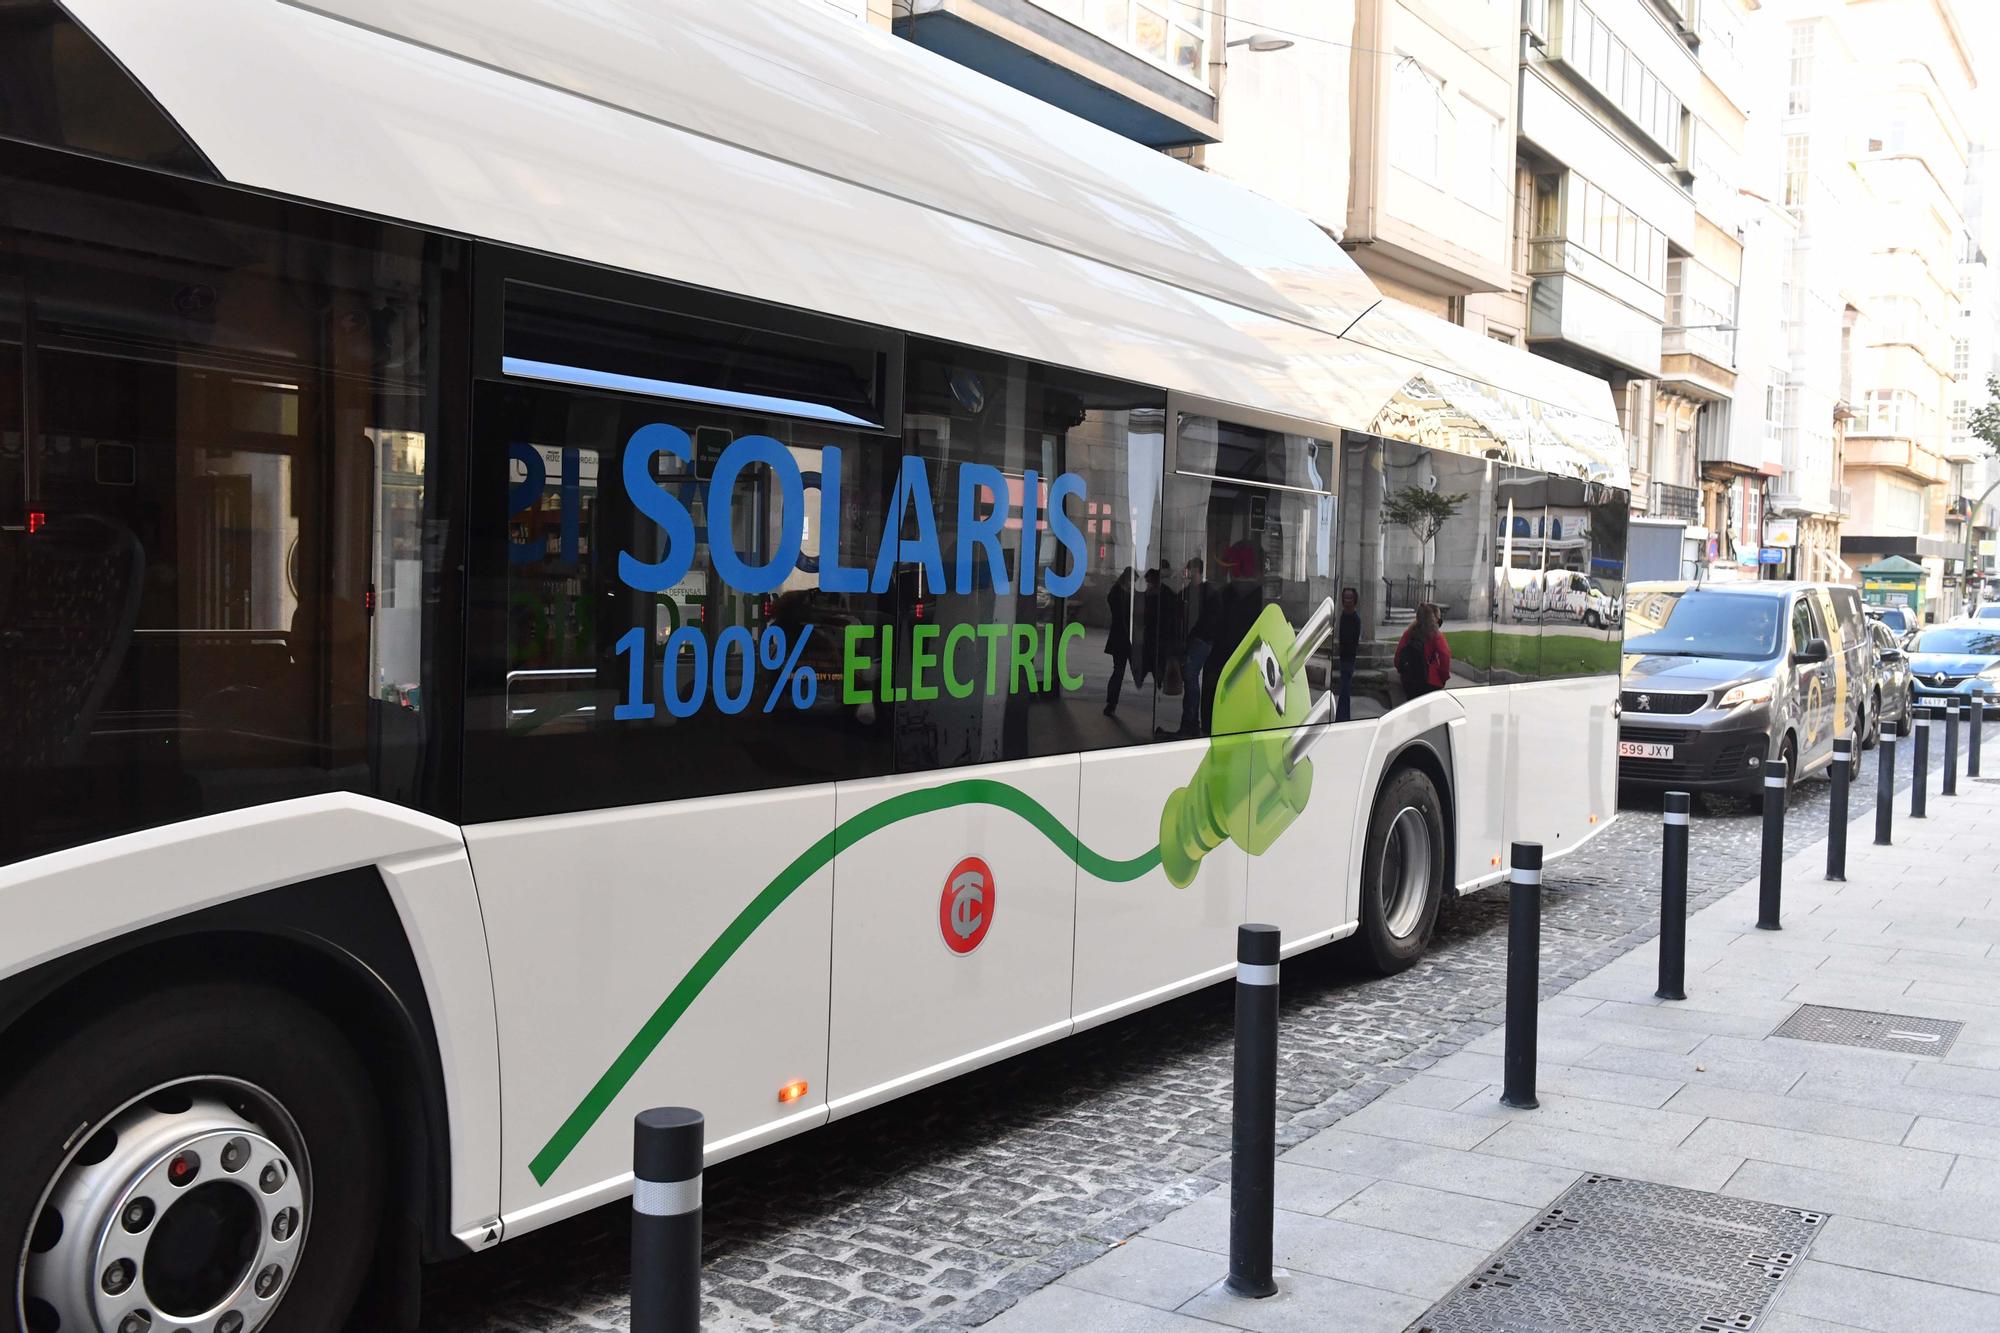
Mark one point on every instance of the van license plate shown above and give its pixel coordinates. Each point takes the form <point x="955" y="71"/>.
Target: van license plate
<point x="1644" y="750"/>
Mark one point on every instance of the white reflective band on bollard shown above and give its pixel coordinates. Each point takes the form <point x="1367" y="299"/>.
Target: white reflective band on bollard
<point x="1774" y="782"/>
<point x="1516" y="876"/>
<point x="1257" y="974"/>
<point x="666" y="1198"/>
<point x="1674" y="817"/>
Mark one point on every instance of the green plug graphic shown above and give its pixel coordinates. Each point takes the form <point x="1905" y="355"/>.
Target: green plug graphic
<point x="1255" y="778"/>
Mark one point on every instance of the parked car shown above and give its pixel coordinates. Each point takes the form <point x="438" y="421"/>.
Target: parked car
<point x="1948" y="662"/>
<point x="1900" y="619"/>
<point x="1721" y="678"/>
<point x="1898" y="695"/>
<point x="1987" y="611"/>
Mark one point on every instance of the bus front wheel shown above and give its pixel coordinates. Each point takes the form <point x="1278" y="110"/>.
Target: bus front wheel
<point x="1402" y="872"/>
<point x="204" y="1156"/>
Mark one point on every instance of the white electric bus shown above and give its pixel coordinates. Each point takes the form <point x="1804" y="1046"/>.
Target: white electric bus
<point x="556" y="559"/>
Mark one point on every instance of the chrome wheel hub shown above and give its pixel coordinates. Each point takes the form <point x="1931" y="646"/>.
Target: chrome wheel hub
<point x="184" y="1212"/>
<point x="1406" y="872"/>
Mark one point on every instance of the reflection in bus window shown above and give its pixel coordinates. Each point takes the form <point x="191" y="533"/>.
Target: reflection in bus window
<point x="223" y="600"/>
<point x="1247" y="565"/>
<point x="1045" y="500"/>
<point x="1415" y="557"/>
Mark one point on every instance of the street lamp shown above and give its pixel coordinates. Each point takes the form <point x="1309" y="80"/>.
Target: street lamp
<point x="1262" y="41"/>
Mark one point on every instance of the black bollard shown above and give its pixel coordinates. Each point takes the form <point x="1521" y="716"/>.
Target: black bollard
<point x="1836" y="833"/>
<point x="1674" y="897"/>
<point x="1771" y="869"/>
<point x="1976" y="715"/>
<point x="1920" y="764"/>
<point x="1885" y="791"/>
<point x="1524" y="949"/>
<point x="666" y="1220"/>
<point x="1253" y="1142"/>
<point x="1950" y="785"/>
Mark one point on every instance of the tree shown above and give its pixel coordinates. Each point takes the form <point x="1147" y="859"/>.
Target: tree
<point x="1985" y="423"/>
<point x="1424" y="512"/>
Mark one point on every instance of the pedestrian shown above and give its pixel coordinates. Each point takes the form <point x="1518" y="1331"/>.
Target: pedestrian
<point x="1237" y="606"/>
<point x="1118" y="640"/>
<point x="1149" y="659"/>
<point x="1423" y="658"/>
<point x="1349" y="649"/>
<point x="1198" y="614"/>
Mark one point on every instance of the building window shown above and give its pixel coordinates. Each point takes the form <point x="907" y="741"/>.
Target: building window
<point x="1961" y="359"/>
<point x="1172" y="36"/>
<point x="1799" y="99"/>
<point x="1479" y="154"/>
<point x="1417" y="100"/>
<point x="1795" y="172"/>
<point x="1596" y="53"/>
<point x="1613" y="232"/>
<point x="1700" y="303"/>
<point x="1960" y="413"/>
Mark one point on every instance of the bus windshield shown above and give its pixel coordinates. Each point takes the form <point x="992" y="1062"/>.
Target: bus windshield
<point x="1706" y="624"/>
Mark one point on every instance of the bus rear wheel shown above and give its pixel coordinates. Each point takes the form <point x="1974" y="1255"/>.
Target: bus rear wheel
<point x="206" y="1156"/>
<point x="1402" y="872"/>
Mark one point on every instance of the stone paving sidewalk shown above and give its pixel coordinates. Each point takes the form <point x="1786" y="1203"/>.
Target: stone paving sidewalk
<point x="1395" y="1206"/>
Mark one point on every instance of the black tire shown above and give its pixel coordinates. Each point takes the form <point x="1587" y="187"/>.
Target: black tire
<point x="1871" y="729"/>
<point x="1907" y="721"/>
<point x="1789" y="752"/>
<point x="1383" y="950"/>
<point x="251" y="1033"/>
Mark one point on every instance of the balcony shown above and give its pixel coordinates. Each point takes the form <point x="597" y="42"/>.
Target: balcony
<point x="1149" y="86"/>
<point x="1579" y="299"/>
<point x="1671" y="501"/>
<point x="1903" y="456"/>
<point x="1726" y="451"/>
<point x="1841" y="498"/>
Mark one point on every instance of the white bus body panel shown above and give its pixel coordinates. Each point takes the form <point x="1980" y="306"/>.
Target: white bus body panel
<point x="1562" y="775"/>
<point x="1140" y="941"/>
<point x="69" y="900"/>
<point x="1296" y="883"/>
<point x="1480" y="789"/>
<point x="906" y="1008"/>
<point x="413" y="133"/>
<point x="593" y="918"/>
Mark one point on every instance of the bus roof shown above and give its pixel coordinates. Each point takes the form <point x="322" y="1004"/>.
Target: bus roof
<point x="787" y="154"/>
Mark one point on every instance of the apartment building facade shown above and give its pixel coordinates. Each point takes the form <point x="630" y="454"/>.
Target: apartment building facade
<point x="1975" y="360"/>
<point x="1874" y="136"/>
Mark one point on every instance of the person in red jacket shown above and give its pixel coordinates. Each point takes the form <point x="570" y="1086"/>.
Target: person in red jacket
<point x="1423" y="658"/>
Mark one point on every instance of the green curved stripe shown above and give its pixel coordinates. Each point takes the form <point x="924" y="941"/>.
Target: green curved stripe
<point x="970" y="791"/>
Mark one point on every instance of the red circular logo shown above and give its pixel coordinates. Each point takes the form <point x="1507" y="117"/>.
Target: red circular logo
<point x="965" y="908"/>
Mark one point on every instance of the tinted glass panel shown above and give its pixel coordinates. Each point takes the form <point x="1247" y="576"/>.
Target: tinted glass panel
<point x="230" y="467"/>
<point x="1417" y="555"/>
<point x="1019" y="637"/>
<point x="1583" y="582"/>
<point x="1694" y="623"/>
<point x="1520" y="596"/>
<point x="1246" y="570"/>
<point x="1805" y="624"/>
<point x="58" y="87"/>
<point x="1972" y="642"/>
<point x="621" y="650"/>
<point x="695" y="355"/>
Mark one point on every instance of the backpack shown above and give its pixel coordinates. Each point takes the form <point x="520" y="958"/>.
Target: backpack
<point x="1410" y="666"/>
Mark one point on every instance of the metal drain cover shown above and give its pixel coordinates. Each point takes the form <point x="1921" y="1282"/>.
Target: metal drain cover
<point x="1902" y="1033"/>
<point x="1623" y="1256"/>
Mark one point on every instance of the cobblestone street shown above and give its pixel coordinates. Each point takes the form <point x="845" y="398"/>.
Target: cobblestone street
<point x="943" y="1209"/>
